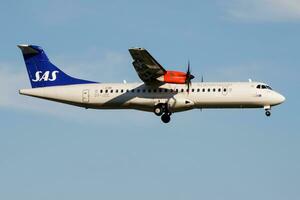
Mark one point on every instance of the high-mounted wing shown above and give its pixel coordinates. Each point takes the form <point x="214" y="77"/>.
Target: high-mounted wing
<point x="148" y="69"/>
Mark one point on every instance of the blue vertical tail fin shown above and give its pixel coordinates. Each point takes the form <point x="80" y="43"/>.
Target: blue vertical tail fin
<point x="41" y="72"/>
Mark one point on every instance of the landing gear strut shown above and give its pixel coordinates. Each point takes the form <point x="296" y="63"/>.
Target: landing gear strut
<point x="163" y="111"/>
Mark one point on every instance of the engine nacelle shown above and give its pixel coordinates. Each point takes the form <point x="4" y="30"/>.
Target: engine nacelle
<point x="173" y="77"/>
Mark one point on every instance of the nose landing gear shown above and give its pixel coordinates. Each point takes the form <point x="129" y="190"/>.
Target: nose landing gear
<point x="268" y="111"/>
<point x="163" y="111"/>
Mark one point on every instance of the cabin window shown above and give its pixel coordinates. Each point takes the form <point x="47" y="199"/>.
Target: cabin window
<point x="203" y="90"/>
<point x="214" y="89"/>
<point x="198" y="90"/>
<point x="117" y="90"/>
<point x="159" y="90"/>
<point x="166" y="90"/>
<point x="101" y="91"/>
<point x="111" y="91"/>
<point x="208" y="90"/>
<point x="176" y="90"/>
<point x="149" y="90"/>
<point x="122" y="90"/>
<point x="224" y="89"/>
<point x="106" y="91"/>
<point x="154" y="90"/>
<point x="138" y="90"/>
<point x="144" y="90"/>
<point x="132" y="90"/>
<point x="182" y="90"/>
<point x="219" y="90"/>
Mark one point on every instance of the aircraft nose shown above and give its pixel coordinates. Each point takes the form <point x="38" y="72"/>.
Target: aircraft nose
<point x="280" y="98"/>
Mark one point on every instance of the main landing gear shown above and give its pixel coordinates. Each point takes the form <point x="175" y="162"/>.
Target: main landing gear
<point x="163" y="111"/>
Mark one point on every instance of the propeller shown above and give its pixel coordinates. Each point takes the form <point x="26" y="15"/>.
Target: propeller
<point x="189" y="77"/>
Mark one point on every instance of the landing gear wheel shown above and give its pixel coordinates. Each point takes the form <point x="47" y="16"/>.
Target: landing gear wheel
<point x="166" y="118"/>
<point x="268" y="113"/>
<point x="158" y="110"/>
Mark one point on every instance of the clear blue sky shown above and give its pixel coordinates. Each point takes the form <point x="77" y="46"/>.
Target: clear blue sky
<point x="55" y="151"/>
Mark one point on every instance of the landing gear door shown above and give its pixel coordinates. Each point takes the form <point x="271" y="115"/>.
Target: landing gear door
<point x="85" y="96"/>
<point x="158" y="101"/>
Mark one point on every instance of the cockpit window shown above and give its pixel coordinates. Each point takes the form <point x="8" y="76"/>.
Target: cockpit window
<point x="269" y="87"/>
<point x="263" y="87"/>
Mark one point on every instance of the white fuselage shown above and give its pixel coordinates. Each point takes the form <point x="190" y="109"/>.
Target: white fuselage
<point x="142" y="97"/>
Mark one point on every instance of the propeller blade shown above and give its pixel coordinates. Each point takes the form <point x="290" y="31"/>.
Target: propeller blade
<point x="188" y="70"/>
<point x="189" y="77"/>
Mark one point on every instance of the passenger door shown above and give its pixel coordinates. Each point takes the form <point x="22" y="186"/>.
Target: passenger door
<point x="85" y="96"/>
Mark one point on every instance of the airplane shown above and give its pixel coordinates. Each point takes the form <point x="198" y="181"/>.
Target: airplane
<point x="162" y="92"/>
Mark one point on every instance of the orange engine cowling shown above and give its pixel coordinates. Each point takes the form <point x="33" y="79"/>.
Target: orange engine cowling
<point x="175" y="77"/>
